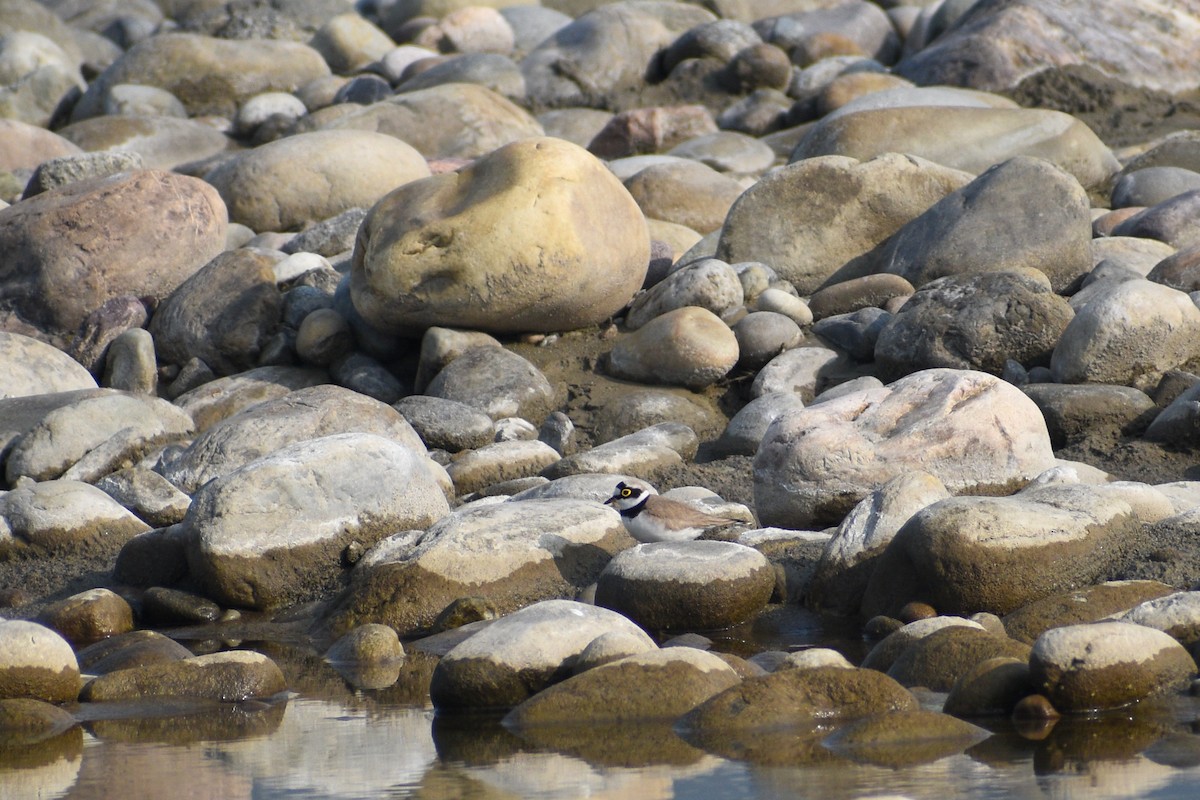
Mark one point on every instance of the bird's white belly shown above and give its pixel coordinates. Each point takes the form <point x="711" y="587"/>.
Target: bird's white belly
<point x="648" y="530"/>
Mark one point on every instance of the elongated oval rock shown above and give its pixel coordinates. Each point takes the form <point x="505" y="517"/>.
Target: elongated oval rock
<point x="1106" y="665"/>
<point x="209" y="75"/>
<point x="310" y="177"/>
<point x="689" y="346"/>
<point x="656" y="684"/>
<point x="518" y="655"/>
<point x="228" y="677"/>
<point x="536" y="236"/>
<point x="799" y="698"/>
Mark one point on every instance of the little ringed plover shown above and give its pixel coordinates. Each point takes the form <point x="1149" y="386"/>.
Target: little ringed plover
<point x="651" y="518"/>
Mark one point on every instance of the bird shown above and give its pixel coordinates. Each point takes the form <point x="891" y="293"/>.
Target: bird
<point x="651" y="518"/>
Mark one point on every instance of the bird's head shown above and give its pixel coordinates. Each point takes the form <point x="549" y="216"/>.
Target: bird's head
<point x="626" y="496"/>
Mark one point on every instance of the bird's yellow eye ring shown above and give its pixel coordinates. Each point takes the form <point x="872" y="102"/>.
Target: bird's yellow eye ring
<point x="626" y="492"/>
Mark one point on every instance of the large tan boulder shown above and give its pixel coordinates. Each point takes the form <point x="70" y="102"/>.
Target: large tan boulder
<point x="536" y="236"/>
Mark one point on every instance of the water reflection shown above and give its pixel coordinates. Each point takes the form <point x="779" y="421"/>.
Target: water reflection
<point x="360" y="747"/>
<point x="348" y="735"/>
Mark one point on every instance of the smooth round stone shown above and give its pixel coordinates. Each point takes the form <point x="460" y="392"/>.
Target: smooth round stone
<point x="132" y="649"/>
<point x="1176" y="614"/>
<point x="755" y="278"/>
<point x="1107" y="665"/>
<point x="762" y="335"/>
<point x="856" y="333"/>
<point x="491" y="70"/>
<point x="1153" y="185"/>
<point x="451" y="120"/>
<point x="324" y="336"/>
<point x="236" y="70"/>
<point x="232" y="676"/>
<point x="992" y="687"/>
<point x="309" y="177"/>
<point x="33" y="367"/>
<point x="497" y="548"/>
<point x="501" y="461"/>
<point x="889" y="648"/>
<point x="371" y="643"/>
<point x="37" y="663"/>
<point x="720" y="40"/>
<point x="696" y="585"/>
<point x="1129" y="334"/>
<point x="474" y="29"/>
<point x="634" y="410"/>
<point x="709" y="283"/>
<point x="61" y="516"/>
<point x="1076" y="411"/>
<point x="643" y="453"/>
<point x="165" y="606"/>
<point x="727" y="151"/>
<point x="520" y="654"/>
<point x="147" y="494"/>
<point x="1179" y="271"/>
<point x="515" y="429"/>
<point x="745" y="431"/>
<point x="89" y="616"/>
<point x="786" y="303"/>
<point x="650" y="130"/>
<point x="689" y="347"/>
<point x="842" y="573"/>
<point x="609" y="647"/>
<point x="1173" y="221"/>
<point x="658" y="684"/>
<point x="800" y="370"/>
<point x="558" y="431"/>
<point x="839" y="209"/>
<point x="685" y="192"/>
<point x="137" y="100"/>
<point x="141" y="250"/>
<point x="762" y="112"/>
<point x="497" y="382"/>
<point x="363" y="90"/>
<point x="163" y="142"/>
<point x="937" y="660"/>
<point x="447" y="424"/>
<point x="343" y="489"/>
<point x="440" y="346"/>
<point x="814" y="657"/>
<point x="262" y="107"/>
<point x="67" y="169"/>
<point x="804" y="697"/>
<point x="1087" y="604"/>
<point x="24" y="146"/>
<point x="130" y="364"/>
<point x="349" y="42"/>
<point x="851" y="295"/>
<point x="1129" y="252"/>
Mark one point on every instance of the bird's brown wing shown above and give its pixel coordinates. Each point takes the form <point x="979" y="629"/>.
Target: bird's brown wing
<point x="684" y="516"/>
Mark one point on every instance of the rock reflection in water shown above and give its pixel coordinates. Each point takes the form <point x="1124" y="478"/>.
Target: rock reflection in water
<point x="44" y="768"/>
<point x="605" y="761"/>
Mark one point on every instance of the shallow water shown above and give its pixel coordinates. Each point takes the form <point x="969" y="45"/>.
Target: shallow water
<point x="337" y="738"/>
